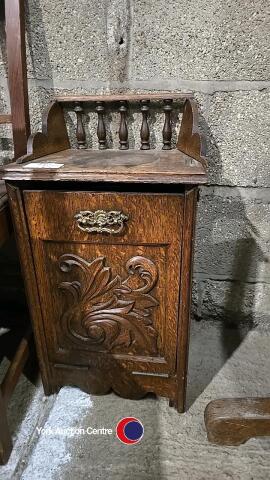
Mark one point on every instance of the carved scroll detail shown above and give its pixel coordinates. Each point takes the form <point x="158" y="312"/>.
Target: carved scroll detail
<point x="190" y="140"/>
<point x="109" y="313"/>
<point x="52" y="139"/>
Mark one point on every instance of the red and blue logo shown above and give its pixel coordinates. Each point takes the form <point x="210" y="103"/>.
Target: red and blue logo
<point x="129" y="430"/>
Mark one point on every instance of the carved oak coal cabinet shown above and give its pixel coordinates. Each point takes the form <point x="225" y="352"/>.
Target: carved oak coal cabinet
<point x="105" y="239"/>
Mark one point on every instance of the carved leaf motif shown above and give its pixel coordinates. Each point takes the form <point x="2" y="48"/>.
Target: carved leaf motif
<point x="110" y="312"/>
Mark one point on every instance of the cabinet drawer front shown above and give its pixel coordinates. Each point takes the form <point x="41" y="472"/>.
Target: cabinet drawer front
<point x="108" y="296"/>
<point x="101" y="217"/>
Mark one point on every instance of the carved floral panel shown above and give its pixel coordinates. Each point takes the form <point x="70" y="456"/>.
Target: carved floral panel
<point x="106" y="311"/>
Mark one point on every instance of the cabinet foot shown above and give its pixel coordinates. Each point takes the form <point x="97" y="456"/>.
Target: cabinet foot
<point x="5" y="437"/>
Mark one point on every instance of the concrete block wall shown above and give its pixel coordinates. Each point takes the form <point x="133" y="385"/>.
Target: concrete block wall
<point x="219" y="51"/>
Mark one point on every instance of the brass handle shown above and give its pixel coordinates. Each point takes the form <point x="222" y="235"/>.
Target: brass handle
<point x="101" y="221"/>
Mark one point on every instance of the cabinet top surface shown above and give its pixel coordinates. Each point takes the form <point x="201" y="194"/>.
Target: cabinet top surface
<point x="151" y="166"/>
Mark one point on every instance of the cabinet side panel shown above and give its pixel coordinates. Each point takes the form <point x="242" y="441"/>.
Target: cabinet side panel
<point x="185" y="296"/>
<point x="27" y="265"/>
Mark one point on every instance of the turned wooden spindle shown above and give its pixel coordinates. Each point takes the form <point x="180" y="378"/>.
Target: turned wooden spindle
<point x="145" y="132"/>
<point x="80" y="132"/>
<point x="101" y="130"/>
<point x="167" y="129"/>
<point x="123" y="131"/>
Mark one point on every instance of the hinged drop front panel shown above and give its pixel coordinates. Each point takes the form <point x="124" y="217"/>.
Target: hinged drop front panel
<point x="108" y="272"/>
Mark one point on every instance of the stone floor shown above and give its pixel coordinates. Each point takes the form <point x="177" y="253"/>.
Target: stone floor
<point x="222" y="363"/>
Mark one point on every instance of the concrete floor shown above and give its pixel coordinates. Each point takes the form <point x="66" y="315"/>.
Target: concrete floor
<point x="222" y="363"/>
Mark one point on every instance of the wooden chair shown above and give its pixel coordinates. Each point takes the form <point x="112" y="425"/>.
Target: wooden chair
<point x="19" y="119"/>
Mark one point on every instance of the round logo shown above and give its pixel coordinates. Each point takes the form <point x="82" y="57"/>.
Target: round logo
<point x="129" y="430"/>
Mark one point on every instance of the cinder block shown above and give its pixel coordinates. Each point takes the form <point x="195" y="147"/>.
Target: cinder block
<point x="234" y="303"/>
<point x="237" y="128"/>
<point x="67" y="39"/>
<point x="232" y="237"/>
<point x="194" y="40"/>
<point x="200" y="40"/>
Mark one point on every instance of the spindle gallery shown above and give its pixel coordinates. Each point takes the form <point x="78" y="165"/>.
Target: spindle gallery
<point x="122" y="102"/>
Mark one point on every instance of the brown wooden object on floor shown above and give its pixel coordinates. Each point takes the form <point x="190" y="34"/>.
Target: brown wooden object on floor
<point x="232" y="421"/>
<point x="106" y="241"/>
<point x="6" y="389"/>
<point x="5" y="437"/>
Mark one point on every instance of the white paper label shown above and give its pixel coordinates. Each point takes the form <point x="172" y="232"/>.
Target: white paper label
<point x="32" y="166"/>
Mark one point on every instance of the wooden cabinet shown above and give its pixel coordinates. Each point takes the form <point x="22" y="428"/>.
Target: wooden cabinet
<point x="108" y="267"/>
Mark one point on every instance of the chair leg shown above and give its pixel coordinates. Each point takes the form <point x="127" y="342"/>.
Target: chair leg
<point x="5" y="437"/>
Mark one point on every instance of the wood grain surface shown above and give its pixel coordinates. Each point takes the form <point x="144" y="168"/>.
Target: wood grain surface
<point x="153" y="233"/>
<point x="5" y="221"/>
<point x="85" y="334"/>
<point x="3" y="194"/>
<point x="128" y="97"/>
<point x="106" y="241"/>
<point x="17" y="74"/>
<point x="233" y="421"/>
<point x="5" y="436"/>
<point x="150" y="166"/>
<point x="5" y="118"/>
<point x="191" y="141"/>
